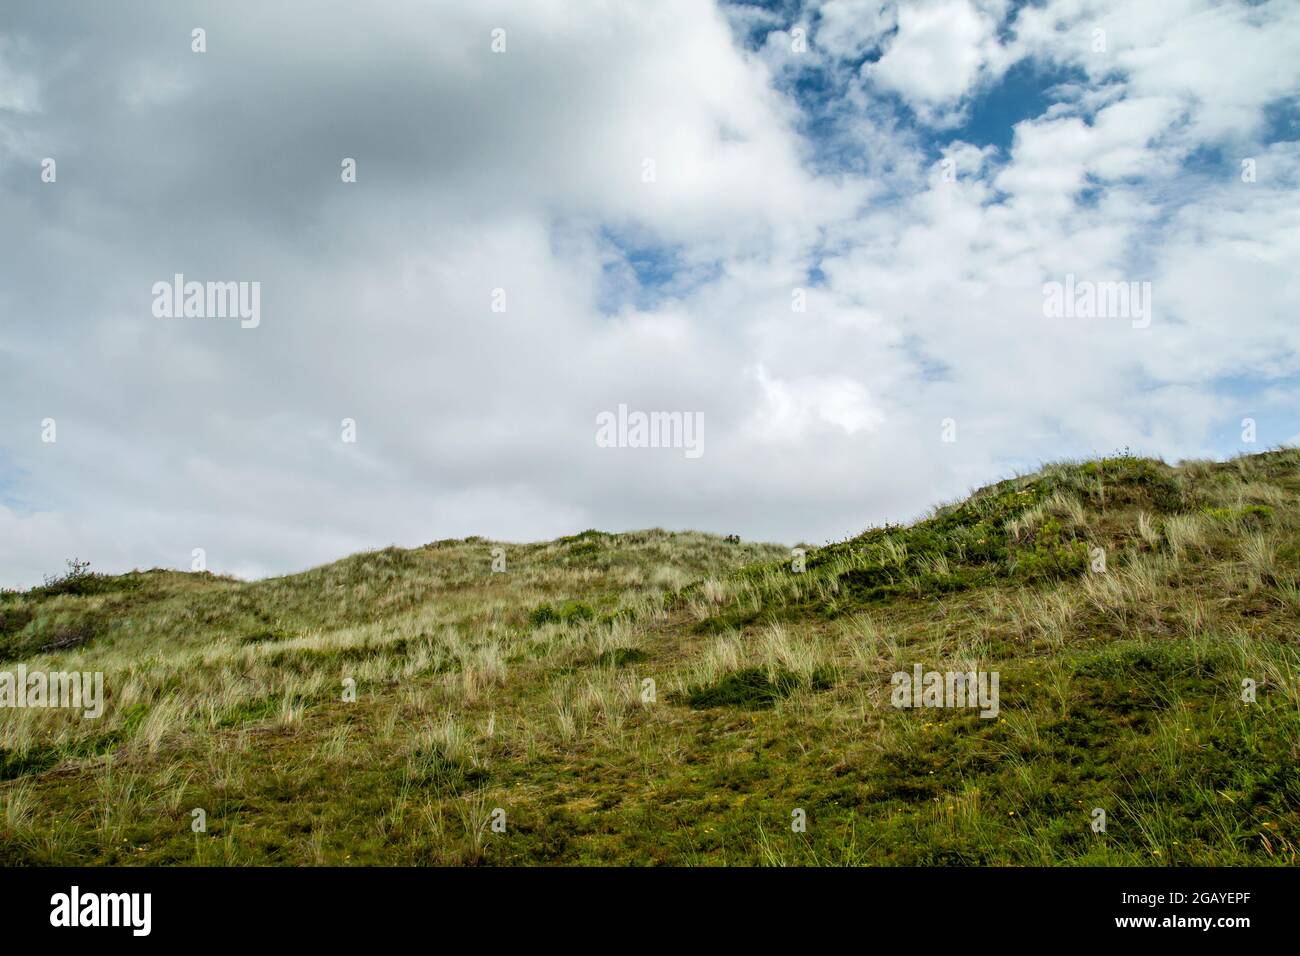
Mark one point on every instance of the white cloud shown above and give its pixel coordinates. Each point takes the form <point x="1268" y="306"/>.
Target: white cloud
<point x="849" y="28"/>
<point x="789" y="409"/>
<point x="1224" y="62"/>
<point x="938" y="54"/>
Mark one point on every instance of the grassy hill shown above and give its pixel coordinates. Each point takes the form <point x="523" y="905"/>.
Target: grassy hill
<point x="1123" y="602"/>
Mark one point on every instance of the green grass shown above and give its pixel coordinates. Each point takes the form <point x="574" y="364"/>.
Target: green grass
<point x="656" y="697"/>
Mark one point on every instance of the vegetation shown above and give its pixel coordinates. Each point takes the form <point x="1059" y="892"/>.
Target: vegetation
<point x="653" y="697"/>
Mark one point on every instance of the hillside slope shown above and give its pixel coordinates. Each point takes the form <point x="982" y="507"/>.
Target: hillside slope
<point x="678" y="698"/>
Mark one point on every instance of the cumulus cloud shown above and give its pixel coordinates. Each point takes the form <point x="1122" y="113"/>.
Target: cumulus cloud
<point x="847" y="29"/>
<point x="939" y="52"/>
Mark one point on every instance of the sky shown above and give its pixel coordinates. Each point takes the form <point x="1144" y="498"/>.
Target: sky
<point x="823" y="229"/>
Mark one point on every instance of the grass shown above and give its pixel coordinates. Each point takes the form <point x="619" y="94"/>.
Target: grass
<point x="655" y="697"/>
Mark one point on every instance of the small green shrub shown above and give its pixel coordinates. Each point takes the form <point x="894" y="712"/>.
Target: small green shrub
<point x="754" y="688"/>
<point x="568" y="611"/>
